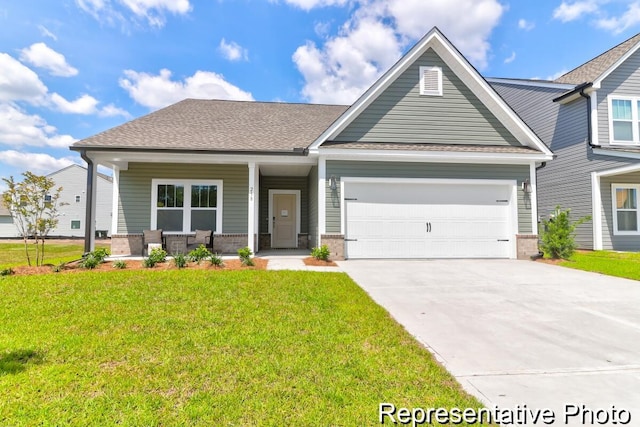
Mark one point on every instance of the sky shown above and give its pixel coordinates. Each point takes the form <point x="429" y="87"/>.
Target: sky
<point x="72" y="68"/>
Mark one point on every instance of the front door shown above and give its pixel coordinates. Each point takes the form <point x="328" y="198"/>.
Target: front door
<point x="284" y="221"/>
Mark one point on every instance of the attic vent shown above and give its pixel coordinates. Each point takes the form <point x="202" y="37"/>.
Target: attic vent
<point x="431" y="81"/>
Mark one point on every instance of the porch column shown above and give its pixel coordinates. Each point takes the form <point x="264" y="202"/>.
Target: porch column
<point x="251" y="226"/>
<point x="90" y="214"/>
<point x="115" y="197"/>
<point x="534" y="198"/>
<point x="322" y="198"/>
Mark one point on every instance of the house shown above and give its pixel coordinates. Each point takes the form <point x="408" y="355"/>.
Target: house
<point x="590" y="118"/>
<point x="72" y="205"/>
<point x="430" y="162"/>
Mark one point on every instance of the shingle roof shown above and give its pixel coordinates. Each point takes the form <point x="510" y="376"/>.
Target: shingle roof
<point x="216" y="125"/>
<point x="591" y="70"/>
<point x="429" y="147"/>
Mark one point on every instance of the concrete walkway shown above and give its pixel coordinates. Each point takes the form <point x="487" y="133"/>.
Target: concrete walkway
<point x="293" y="261"/>
<point x="520" y="332"/>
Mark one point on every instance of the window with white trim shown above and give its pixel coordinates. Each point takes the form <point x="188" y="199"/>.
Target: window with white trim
<point x="431" y="81"/>
<point x="75" y="224"/>
<point x="625" y="208"/>
<point x="183" y="206"/>
<point x="624" y="124"/>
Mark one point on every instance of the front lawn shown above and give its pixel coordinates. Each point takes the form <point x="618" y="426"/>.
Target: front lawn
<point x="621" y="264"/>
<point x="12" y="254"/>
<point x="207" y="348"/>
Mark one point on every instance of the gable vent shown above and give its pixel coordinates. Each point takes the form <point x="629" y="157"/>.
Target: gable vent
<point x="431" y="81"/>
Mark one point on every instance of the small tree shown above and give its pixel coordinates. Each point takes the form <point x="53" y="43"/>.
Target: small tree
<point x="558" y="234"/>
<point x="33" y="204"/>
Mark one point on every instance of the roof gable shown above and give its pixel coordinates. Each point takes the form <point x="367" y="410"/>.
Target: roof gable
<point x="454" y="60"/>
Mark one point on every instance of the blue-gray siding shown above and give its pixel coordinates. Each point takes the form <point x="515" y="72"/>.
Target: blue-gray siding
<point x="401" y="114"/>
<point x="609" y="240"/>
<point x="424" y="170"/>
<point x="134" y="206"/>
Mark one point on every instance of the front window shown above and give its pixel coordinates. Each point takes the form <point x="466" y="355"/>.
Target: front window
<point x="625" y="208"/>
<point x="624" y="126"/>
<point x="186" y="205"/>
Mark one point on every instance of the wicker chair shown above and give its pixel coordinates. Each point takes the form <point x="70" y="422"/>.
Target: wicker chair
<point x="202" y="237"/>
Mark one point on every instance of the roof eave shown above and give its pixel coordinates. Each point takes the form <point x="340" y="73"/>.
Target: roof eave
<point x="295" y="152"/>
<point x="574" y="94"/>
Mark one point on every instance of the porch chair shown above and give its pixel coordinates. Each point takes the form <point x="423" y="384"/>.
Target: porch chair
<point x="152" y="236"/>
<point x="202" y="237"/>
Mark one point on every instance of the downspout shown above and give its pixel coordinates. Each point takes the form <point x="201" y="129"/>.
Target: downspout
<point x="589" y="130"/>
<point x="89" y="204"/>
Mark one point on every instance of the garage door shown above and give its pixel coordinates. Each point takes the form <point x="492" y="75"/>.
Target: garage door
<point x="428" y="220"/>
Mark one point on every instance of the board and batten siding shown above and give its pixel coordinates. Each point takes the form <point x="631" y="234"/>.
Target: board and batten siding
<point x="609" y="240"/>
<point x="424" y="170"/>
<point x="284" y="183"/>
<point x="625" y="81"/>
<point x="402" y="115"/>
<point x="313" y="206"/>
<point x="134" y="206"/>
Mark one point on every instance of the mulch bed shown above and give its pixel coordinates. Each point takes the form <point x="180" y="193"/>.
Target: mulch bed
<point x="73" y="267"/>
<point x="318" y="262"/>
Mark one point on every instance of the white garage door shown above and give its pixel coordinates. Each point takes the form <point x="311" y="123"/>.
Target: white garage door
<point x="408" y="219"/>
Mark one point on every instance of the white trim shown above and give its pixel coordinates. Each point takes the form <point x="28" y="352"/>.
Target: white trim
<point x="534" y="83"/>
<point x="596" y="202"/>
<point x="256" y="213"/>
<point x="438" y="90"/>
<point x="594" y="118"/>
<point x="115" y="174"/>
<point x="119" y="157"/>
<point x="186" y="218"/>
<point x="614" y="153"/>
<point x="251" y="220"/>
<point x="297" y="193"/>
<point x="513" y="202"/>
<point x="461" y="67"/>
<point x="635" y="133"/>
<point x="322" y="197"/>
<point x="431" y="156"/>
<point x="619" y="171"/>
<point x="614" y="209"/>
<point x="94" y="202"/>
<point x="598" y="81"/>
<point x="533" y="198"/>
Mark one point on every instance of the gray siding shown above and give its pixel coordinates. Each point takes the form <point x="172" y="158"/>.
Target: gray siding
<point x="313" y="206"/>
<point x="134" y="206"/>
<point x="609" y="241"/>
<point x="401" y="114"/>
<point x="625" y="80"/>
<point x="284" y="183"/>
<point x="424" y="170"/>
<point x="565" y="181"/>
<point x="7" y="228"/>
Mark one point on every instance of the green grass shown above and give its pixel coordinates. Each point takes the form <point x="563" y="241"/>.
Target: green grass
<point x="207" y="348"/>
<point x="620" y="264"/>
<point x="12" y="254"/>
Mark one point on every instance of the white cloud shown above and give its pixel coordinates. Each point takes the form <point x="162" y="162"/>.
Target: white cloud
<point x="311" y="4"/>
<point x="111" y="110"/>
<point x="19" y="83"/>
<point x="617" y="25"/>
<point x="46" y="33"/>
<point x="233" y="51"/>
<point x="567" y="12"/>
<point x="557" y="74"/>
<point x="510" y="59"/>
<point x="35" y="162"/>
<point x="523" y="24"/>
<point x="153" y="11"/>
<point x="42" y="56"/>
<point x="372" y="40"/>
<point x="157" y="91"/>
<point x="17" y="128"/>
<point x="86" y="105"/>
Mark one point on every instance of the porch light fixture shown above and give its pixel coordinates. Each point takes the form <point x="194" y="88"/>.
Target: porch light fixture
<point x="332" y="182"/>
<point x="526" y="186"/>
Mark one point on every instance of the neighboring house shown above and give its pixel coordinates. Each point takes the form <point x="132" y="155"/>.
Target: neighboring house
<point x="590" y="118"/>
<point x="72" y="209"/>
<point x="428" y="163"/>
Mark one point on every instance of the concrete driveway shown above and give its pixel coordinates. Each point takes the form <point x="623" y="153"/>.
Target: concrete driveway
<point x="519" y="332"/>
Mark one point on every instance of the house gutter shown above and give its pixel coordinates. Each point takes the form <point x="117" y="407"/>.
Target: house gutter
<point x="589" y="126"/>
<point x="302" y="151"/>
<point x="89" y="204"/>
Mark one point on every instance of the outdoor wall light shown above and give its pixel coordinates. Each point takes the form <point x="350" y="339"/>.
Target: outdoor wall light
<point x="526" y="186"/>
<point x="332" y="182"/>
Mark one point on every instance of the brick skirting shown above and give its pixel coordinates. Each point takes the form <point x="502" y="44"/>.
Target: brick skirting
<point x="335" y="242"/>
<point x="527" y="245"/>
<point x="131" y="244"/>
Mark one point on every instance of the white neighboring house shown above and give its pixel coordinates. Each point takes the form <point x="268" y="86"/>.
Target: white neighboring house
<point x="71" y="222"/>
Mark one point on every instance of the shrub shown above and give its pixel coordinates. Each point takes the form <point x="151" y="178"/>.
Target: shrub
<point x="216" y="260"/>
<point x="321" y="253"/>
<point x="180" y="260"/>
<point x="89" y="261"/>
<point x="245" y="256"/>
<point x="158" y="255"/>
<point x="58" y="268"/>
<point x="148" y="262"/>
<point x="199" y="253"/>
<point x="558" y="234"/>
<point x="100" y="254"/>
<point x="119" y="264"/>
<point x="6" y="271"/>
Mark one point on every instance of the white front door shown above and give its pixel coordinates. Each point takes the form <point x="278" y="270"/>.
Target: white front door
<point x="285" y="220"/>
<point x="422" y="220"/>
